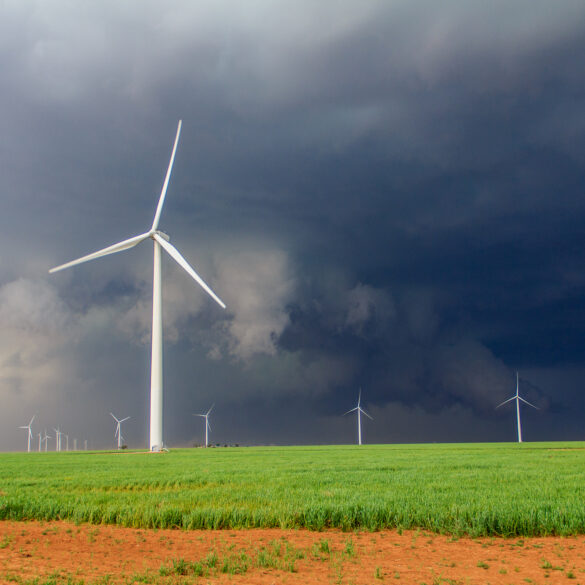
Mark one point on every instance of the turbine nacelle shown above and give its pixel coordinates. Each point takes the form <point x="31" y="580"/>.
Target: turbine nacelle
<point x="159" y="233"/>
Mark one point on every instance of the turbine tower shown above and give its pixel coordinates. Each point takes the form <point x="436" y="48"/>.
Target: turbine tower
<point x="160" y="240"/>
<point x="360" y="411"/>
<point x="517" y="398"/>
<point x="207" y="425"/>
<point x="118" y="432"/>
<point x="28" y="426"/>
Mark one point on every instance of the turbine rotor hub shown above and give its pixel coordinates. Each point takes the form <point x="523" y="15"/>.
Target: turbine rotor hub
<point x="161" y="234"/>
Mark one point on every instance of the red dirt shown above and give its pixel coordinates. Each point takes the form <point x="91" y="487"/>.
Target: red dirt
<point x="55" y="551"/>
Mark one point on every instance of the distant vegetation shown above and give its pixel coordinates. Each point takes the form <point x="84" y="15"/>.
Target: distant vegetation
<point x="477" y="489"/>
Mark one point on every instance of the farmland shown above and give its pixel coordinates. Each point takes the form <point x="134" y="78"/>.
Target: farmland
<point x="475" y="489"/>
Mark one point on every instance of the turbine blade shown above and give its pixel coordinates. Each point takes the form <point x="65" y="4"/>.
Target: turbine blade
<point x="350" y="411"/>
<point x="207" y="423"/>
<point x="114" y="418"/>
<point x="526" y="402"/>
<point x="163" y="193"/>
<point x="203" y="415"/>
<point x="124" y="419"/>
<point x="364" y="412"/>
<point x="31" y="420"/>
<point x="506" y="401"/>
<point x="174" y="253"/>
<point x="119" y="247"/>
<point x="211" y="408"/>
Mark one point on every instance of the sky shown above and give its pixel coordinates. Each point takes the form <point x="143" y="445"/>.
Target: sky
<point x="388" y="195"/>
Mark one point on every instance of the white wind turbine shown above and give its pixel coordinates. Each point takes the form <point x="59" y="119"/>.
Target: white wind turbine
<point x="118" y="432"/>
<point x="57" y="439"/>
<point x="207" y="425"/>
<point x="517" y="398"/>
<point x="28" y="426"/>
<point x="360" y="411"/>
<point x="46" y="440"/>
<point x="160" y="240"/>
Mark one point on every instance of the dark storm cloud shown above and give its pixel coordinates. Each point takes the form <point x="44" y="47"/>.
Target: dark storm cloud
<point x="386" y="195"/>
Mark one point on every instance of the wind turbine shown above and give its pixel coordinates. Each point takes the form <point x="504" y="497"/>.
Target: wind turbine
<point x="207" y="425"/>
<point x="118" y="432"/>
<point x="58" y="434"/>
<point x="28" y="426"/>
<point x="360" y="411"/>
<point x="161" y="240"/>
<point x="517" y="398"/>
<point x="46" y="440"/>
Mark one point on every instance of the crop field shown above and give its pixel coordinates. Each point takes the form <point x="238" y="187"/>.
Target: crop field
<point x="507" y="489"/>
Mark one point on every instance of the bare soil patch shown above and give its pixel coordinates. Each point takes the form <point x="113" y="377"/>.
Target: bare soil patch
<point x="60" y="552"/>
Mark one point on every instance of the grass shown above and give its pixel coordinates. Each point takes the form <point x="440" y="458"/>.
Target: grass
<point x="278" y="555"/>
<point x="532" y="489"/>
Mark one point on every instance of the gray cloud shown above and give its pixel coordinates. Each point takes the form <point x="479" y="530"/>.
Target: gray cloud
<point x="258" y="286"/>
<point x="385" y="194"/>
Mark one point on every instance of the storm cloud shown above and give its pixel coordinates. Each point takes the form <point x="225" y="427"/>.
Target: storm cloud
<point x="387" y="195"/>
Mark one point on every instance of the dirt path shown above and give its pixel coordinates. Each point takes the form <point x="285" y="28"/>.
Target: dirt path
<point x="57" y="553"/>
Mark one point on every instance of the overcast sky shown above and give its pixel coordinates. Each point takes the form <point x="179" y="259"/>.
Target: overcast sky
<point x="387" y="195"/>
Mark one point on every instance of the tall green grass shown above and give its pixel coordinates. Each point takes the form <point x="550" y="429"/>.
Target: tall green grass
<point x="476" y="489"/>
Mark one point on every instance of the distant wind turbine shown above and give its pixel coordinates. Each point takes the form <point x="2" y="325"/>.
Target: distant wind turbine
<point x="118" y="432"/>
<point x="207" y="425"/>
<point x="40" y="441"/>
<point x="517" y="398"/>
<point x="58" y="434"/>
<point x="360" y="411"/>
<point x="28" y="427"/>
<point x="46" y="440"/>
<point x="161" y="240"/>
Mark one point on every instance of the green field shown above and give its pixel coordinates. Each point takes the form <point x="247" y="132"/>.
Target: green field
<point x="477" y="489"/>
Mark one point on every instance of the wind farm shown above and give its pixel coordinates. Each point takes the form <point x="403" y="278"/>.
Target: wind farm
<point x="161" y="245"/>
